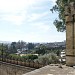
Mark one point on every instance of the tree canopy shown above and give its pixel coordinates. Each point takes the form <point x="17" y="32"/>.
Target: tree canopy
<point x="60" y="8"/>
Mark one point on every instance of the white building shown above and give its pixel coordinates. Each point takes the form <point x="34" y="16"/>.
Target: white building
<point x="63" y="55"/>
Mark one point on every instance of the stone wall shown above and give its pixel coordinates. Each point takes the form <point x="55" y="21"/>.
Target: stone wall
<point x="70" y="34"/>
<point x="11" y="69"/>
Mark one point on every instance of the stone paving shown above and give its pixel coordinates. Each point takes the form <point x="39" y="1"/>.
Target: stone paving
<point x="53" y="70"/>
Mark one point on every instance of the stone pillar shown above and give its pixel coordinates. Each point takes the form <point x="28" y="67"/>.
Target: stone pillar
<point x="70" y="34"/>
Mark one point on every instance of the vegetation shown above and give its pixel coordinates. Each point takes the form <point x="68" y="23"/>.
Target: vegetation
<point x="22" y="58"/>
<point x="41" y="49"/>
<point x="47" y="59"/>
<point x="39" y="53"/>
<point x="60" y="8"/>
<point x="30" y="57"/>
<point x="30" y="46"/>
<point x="13" y="48"/>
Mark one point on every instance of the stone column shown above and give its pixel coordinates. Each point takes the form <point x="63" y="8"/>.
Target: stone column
<point x="70" y="34"/>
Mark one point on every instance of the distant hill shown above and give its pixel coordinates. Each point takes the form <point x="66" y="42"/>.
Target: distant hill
<point x="5" y="42"/>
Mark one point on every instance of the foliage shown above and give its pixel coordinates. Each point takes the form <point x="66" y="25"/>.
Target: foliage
<point x="14" y="56"/>
<point x="3" y="50"/>
<point x="41" y="49"/>
<point x="47" y="59"/>
<point x="12" y="48"/>
<point x="30" y="46"/>
<point x="58" y="52"/>
<point x="30" y="57"/>
<point x="20" y="44"/>
<point x="60" y="8"/>
<point x="22" y="58"/>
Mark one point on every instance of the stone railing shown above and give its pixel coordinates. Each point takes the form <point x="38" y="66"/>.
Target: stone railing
<point x="31" y="64"/>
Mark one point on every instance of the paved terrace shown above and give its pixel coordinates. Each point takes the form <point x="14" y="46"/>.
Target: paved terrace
<point x="53" y="70"/>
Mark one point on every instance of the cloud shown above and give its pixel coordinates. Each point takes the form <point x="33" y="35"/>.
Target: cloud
<point x="14" y="5"/>
<point x="16" y="11"/>
<point x="53" y="1"/>
<point x="42" y="27"/>
<point x="56" y="37"/>
<point x="33" y="15"/>
<point x="15" y="18"/>
<point x="29" y="37"/>
<point x="37" y="16"/>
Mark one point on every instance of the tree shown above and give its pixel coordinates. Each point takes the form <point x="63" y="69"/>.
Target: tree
<point x="41" y="49"/>
<point x="30" y="46"/>
<point x="4" y="50"/>
<point x="30" y="57"/>
<point x="12" y="48"/>
<point x="47" y="59"/>
<point x="60" y="8"/>
<point x="20" y="44"/>
<point x="58" y="52"/>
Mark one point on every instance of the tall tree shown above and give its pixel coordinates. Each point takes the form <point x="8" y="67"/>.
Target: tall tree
<point x="20" y="44"/>
<point x="3" y="49"/>
<point x="60" y="8"/>
<point x="30" y="46"/>
<point x="41" y="49"/>
<point x="13" y="48"/>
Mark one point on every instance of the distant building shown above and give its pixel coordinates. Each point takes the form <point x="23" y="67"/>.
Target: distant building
<point x="63" y="56"/>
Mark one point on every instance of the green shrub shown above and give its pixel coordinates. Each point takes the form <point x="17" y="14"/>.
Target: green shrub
<point x="30" y="57"/>
<point x="14" y="56"/>
<point x="47" y="59"/>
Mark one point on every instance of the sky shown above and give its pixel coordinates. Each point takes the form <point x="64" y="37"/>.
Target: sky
<point x="28" y="20"/>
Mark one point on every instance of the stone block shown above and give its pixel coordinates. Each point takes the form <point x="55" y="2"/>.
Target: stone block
<point x="70" y="61"/>
<point x="70" y="51"/>
<point x="69" y="44"/>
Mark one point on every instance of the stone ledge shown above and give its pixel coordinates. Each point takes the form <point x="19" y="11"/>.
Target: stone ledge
<point x="53" y="70"/>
